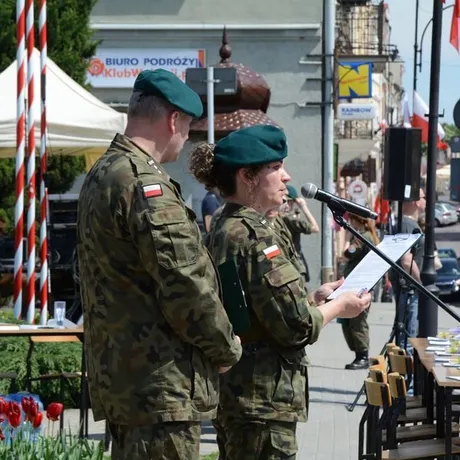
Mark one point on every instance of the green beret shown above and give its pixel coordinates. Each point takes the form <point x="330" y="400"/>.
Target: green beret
<point x="165" y="84"/>
<point x="252" y="146"/>
<point x="292" y="192"/>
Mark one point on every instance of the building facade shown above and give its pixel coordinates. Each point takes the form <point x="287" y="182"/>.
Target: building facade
<point x="279" y="40"/>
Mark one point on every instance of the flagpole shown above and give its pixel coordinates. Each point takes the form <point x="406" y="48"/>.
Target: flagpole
<point x="428" y="310"/>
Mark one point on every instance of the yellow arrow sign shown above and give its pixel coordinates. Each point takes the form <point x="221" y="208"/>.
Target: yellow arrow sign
<point x="355" y="80"/>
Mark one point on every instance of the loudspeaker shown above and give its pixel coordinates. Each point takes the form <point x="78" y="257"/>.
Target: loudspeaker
<point x="403" y="156"/>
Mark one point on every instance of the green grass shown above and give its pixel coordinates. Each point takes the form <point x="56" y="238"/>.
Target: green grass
<point x="213" y="456"/>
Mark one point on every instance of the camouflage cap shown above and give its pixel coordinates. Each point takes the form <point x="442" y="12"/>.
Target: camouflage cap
<point x="292" y="192"/>
<point x="250" y="146"/>
<point x="165" y="84"/>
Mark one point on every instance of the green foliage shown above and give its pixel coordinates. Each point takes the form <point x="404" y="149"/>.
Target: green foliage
<point x="213" y="456"/>
<point x="62" y="172"/>
<point x="451" y="131"/>
<point x="47" y="358"/>
<point x="51" y="448"/>
<point x="70" y="43"/>
<point x="70" y="46"/>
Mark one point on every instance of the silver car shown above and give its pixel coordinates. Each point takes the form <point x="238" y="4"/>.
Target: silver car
<point x="444" y="214"/>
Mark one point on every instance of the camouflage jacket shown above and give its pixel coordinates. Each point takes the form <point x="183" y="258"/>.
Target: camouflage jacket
<point x="270" y="380"/>
<point x="155" y="328"/>
<point x="285" y="232"/>
<point x="297" y="224"/>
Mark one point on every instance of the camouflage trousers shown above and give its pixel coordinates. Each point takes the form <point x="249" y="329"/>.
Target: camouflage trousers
<point x="245" y="439"/>
<point x="356" y="332"/>
<point x="161" y="441"/>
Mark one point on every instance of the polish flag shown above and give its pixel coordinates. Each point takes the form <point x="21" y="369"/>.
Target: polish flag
<point x="419" y="120"/>
<point x="455" y="27"/>
<point x="152" y="190"/>
<point x="272" y="251"/>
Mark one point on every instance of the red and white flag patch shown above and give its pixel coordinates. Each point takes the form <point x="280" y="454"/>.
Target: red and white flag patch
<point x="153" y="190"/>
<point x="272" y="251"/>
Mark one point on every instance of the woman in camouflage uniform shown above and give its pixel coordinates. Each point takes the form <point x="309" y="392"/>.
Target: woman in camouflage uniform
<point x="266" y="393"/>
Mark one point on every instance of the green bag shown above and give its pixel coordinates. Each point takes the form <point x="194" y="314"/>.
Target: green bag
<point x="234" y="297"/>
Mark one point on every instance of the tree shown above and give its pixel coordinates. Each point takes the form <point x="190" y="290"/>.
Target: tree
<point x="70" y="46"/>
<point x="451" y="131"/>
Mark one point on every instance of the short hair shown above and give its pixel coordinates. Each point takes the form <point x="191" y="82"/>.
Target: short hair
<point x="149" y="106"/>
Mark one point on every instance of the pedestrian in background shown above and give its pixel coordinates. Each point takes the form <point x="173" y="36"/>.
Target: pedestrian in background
<point x="299" y="220"/>
<point x="356" y="330"/>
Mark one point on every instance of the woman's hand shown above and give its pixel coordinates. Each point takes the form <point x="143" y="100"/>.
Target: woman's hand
<point x="323" y="292"/>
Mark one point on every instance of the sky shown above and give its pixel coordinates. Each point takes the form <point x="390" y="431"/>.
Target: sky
<point x="402" y="21"/>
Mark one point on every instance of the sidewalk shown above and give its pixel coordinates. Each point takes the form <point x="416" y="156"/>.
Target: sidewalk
<point x="331" y="432"/>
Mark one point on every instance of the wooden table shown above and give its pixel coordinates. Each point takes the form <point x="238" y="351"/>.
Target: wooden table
<point x="434" y="372"/>
<point x="14" y="331"/>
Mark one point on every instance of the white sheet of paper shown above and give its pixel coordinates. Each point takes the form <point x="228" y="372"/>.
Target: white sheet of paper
<point x="369" y="271"/>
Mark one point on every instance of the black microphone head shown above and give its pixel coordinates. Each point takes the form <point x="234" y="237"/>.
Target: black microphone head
<point x="309" y="190"/>
<point x="416" y="230"/>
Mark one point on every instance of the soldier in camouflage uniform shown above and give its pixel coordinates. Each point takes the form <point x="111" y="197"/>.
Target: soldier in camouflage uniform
<point x="266" y="393"/>
<point x="299" y="220"/>
<point x="156" y="332"/>
<point x="356" y="330"/>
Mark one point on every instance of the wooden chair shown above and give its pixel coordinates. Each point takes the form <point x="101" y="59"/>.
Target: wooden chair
<point x="379" y="361"/>
<point x="376" y="374"/>
<point x="404" y="365"/>
<point x="379" y="399"/>
<point x="63" y="377"/>
<point x="407" y="433"/>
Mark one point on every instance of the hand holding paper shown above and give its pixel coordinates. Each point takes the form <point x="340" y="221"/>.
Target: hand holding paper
<point x="372" y="268"/>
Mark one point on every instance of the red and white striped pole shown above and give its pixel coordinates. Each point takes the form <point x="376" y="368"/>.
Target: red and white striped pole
<point x="43" y="167"/>
<point x="20" y="148"/>
<point x="30" y="162"/>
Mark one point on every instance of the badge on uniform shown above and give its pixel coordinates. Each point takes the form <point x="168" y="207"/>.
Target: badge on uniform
<point x="272" y="251"/>
<point x="153" y="190"/>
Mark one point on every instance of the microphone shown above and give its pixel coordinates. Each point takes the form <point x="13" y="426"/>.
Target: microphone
<point x="312" y="191"/>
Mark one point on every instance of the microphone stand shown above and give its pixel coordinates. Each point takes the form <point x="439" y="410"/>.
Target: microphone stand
<point x="338" y="212"/>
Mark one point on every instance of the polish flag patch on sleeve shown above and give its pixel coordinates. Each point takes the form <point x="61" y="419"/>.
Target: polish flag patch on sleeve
<point x="272" y="251"/>
<point x="153" y="190"/>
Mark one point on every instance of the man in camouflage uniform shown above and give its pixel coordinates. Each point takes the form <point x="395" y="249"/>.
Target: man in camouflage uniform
<point x="156" y="333"/>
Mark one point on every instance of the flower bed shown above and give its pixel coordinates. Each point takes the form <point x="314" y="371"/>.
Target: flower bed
<point x="27" y="432"/>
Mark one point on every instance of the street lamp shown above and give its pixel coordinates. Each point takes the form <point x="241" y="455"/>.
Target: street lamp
<point x="428" y="310"/>
<point x="417" y="50"/>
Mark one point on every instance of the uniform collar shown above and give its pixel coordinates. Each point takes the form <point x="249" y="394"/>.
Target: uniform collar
<point x="238" y="210"/>
<point x="125" y="143"/>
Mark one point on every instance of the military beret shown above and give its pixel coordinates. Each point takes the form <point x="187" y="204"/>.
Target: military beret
<point x="251" y="146"/>
<point x="292" y="192"/>
<point x="165" y="84"/>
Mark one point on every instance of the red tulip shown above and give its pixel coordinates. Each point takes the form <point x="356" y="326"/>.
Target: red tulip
<point x="3" y="406"/>
<point x="54" y="410"/>
<point x="14" y="414"/>
<point x="37" y="420"/>
<point x="30" y="408"/>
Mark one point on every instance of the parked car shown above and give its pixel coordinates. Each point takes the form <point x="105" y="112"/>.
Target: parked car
<point x="444" y="214"/>
<point x="447" y="252"/>
<point x="448" y="277"/>
<point x="455" y="205"/>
